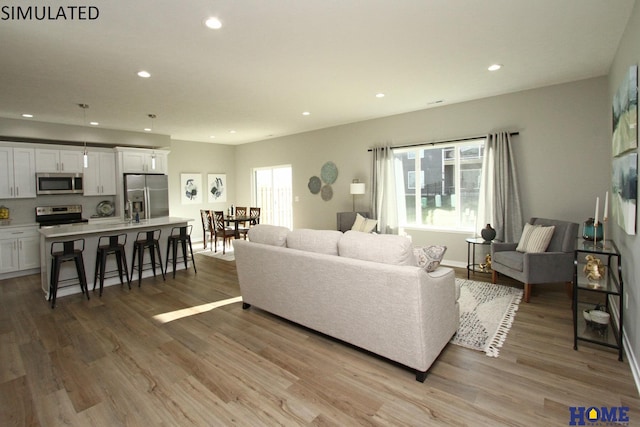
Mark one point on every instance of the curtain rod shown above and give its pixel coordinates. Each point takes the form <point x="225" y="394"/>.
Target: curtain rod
<point x="448" y="141"/>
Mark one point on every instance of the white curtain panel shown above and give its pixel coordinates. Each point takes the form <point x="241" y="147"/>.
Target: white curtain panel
<point x="383" y="190"/>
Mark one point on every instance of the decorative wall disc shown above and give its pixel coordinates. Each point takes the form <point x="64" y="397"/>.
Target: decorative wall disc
<point x="329" y="173"/>
<point x="326" y="193"/>
<point x="314" y="185"/>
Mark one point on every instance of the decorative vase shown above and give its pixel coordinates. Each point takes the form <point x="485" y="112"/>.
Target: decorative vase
<point x="488" y="233"/>
<point x="589" y="231"/>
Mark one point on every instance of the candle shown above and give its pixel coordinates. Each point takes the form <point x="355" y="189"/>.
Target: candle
<point x="595" y="222"/>
<point x="605" y="215"/>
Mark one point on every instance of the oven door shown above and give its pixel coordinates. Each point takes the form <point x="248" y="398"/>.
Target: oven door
<point x="59" y="183"/>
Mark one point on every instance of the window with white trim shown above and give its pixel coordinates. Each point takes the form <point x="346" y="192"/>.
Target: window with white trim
<point x="447" y="194"/>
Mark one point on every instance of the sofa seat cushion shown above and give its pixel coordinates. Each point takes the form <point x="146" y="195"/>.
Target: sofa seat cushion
<point x="269" y="235"/>
<point x="384" y="248"/>
<point x="320" y="241"/>
<point x="511" y="259"/>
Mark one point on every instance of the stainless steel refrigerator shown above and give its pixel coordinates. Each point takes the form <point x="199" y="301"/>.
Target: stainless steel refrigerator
<point x="146" y="195"/>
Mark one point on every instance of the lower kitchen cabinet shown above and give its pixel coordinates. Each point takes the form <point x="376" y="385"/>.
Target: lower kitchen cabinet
<point x="19" y="249"/>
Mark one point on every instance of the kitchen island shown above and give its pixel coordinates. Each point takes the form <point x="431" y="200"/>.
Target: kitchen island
<point x="91" y="232"/>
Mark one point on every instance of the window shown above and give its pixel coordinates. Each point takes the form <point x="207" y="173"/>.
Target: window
<point x="273" y="194"/>
<point x="447" y="195"/>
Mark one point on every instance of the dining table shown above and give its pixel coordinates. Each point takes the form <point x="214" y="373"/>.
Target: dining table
<point x="237" y="220"/>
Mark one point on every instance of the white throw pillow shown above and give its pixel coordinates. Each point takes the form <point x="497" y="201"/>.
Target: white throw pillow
<point x="535" y="238"/>
<point x="429" y="257"/>
<point x="364" y="224"/>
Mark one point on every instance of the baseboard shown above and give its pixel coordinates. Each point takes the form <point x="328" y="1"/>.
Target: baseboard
<point x="628" y="350"/>
<point x="458" y="264"/>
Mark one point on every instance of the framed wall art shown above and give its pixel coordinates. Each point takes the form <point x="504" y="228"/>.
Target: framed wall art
<point x="624" y="149"/>
<point x="191" y="186"/>
<point x="217" y="186"/>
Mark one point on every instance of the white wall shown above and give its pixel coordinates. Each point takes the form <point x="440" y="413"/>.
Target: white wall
<point x="562" y="154"/>
<point x="628" y="54"/>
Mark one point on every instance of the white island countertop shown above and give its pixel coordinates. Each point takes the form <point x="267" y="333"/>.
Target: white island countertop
<point x="106" y="227"/>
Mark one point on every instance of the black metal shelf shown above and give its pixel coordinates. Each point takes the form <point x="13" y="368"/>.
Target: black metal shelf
<point x="608" y="288"/>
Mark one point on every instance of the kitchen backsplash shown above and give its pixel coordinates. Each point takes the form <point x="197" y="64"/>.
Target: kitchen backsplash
<point x="23" y="211"/>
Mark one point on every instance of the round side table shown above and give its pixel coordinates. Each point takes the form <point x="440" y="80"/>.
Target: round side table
<point x="472" y="242"/>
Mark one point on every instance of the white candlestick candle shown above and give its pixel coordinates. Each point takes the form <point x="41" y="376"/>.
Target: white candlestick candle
<point x="605" y="214"/>
<point x="595" y="221"/>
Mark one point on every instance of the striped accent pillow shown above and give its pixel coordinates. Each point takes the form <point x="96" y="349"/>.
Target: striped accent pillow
<point x="535" y="238"/>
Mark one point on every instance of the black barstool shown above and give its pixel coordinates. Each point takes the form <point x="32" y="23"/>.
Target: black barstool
<point x="111" y="245"/>
<point x="64" y="251"/>
<point x="147" y="239"/>
<point x="180" y="235"/>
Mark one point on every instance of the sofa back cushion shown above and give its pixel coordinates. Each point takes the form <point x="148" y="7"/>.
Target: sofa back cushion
<point x="320" y="241"/>
<point x="269" y="235"/>
<point x="384" y="248"/>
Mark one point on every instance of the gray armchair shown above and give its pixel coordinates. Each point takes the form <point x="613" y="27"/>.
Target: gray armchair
<point x="346" y="219"/>
<point x="553" y="266"/>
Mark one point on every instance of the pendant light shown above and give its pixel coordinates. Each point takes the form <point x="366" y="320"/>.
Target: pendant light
<point x="85" y="158"/>
<point x="153" y="153"/>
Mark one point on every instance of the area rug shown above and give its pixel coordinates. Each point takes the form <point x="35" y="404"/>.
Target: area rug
<point x="228" y="256"/>
<point x="487" y="312"/>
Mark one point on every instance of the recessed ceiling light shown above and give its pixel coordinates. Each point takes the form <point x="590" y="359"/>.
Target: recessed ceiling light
<point x="27" y="116"/>
<point x="147" y="129"/>
<point x="494" y="67"/>
<point x="94" y="123"/>
<point x="213" y="23"/>
<point x="232" y="131"/>
<point x="306" y="113"/>
<point x="144" y="74"/>
<point x="379" y="95"/>
<point x="212" y="136"/>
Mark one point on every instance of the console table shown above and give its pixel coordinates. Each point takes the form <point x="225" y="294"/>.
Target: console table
<point x="587" y="293"/>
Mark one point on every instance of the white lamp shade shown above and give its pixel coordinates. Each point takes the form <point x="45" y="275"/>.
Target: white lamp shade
<point x="357" y="188"/>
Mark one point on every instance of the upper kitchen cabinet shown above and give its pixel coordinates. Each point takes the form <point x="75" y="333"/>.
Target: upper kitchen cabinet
<point x="135" y="160"/>
<point x="17" y="172"/>
<point x="100" y="174"/>
<point x="51" y="160"/>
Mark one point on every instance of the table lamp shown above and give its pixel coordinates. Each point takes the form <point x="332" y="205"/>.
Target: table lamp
<point x="356" y="187"/>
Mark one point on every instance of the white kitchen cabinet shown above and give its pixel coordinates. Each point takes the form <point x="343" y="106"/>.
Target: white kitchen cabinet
<point x="17" y="173"/>
<point x="19" y="249"/>
<point x="142" y="161"/>
<point x="100" y="174"/>
<point x="52" y="160"/>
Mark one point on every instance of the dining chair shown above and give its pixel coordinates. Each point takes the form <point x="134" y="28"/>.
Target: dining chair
<point x="207" y="227"/>
<point x="254" y="214"/>
<point x="242" y="225"/>
<point x="221" y="230"/>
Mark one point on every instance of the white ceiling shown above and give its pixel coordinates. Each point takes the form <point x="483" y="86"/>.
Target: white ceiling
<point x="274" y="59"/>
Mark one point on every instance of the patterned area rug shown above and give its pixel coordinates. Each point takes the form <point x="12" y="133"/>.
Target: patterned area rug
<point x="487" y="312"/>
<point x="228" y="256"/>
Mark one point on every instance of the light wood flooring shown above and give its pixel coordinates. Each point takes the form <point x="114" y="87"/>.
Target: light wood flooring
<point x="108" y="362"/>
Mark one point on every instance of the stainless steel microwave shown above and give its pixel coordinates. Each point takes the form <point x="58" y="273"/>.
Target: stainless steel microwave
<point x="59" y="183"/>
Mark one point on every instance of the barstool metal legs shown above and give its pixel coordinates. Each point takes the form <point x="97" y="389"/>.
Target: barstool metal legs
<point x="184" y="237"/>
<point x="150" y="241"/>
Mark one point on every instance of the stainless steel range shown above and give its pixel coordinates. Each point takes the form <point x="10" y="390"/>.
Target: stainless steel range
<point x="50" y="216"/>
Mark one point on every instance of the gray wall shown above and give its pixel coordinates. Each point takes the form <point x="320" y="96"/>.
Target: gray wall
<point x="562" y="154"/>
<point x="628" y="54"/>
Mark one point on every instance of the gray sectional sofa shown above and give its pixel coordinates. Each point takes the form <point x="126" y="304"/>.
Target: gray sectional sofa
<point x="364" y="289"/>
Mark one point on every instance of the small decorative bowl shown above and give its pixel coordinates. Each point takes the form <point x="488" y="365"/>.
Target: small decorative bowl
<point x="600" y="317"/>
